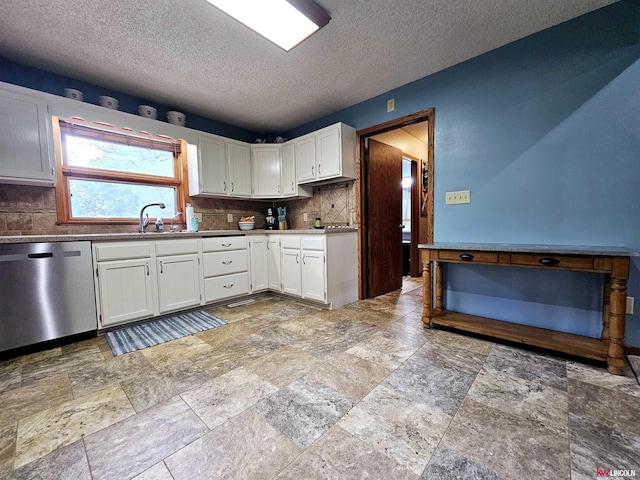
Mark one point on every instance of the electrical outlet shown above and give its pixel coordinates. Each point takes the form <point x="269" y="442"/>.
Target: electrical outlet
<point x="391" y="105"/>
<point x="198" y="216"/>
<point x="305" y="217"/>
<point x="456" y="198"/>
<point x="630" y="305"/>
<point x="230" y="217"/>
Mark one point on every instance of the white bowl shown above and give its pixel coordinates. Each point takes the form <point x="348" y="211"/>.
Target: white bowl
<point x="108" y="102"/>
<point x="246" y="225"/>
<point x="147" y="111"/>
<point x="176" y="118"/>
<point x="74" y="94"/>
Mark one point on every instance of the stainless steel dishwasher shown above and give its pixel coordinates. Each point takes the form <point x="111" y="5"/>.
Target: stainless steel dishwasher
<point x="46" y="292"/>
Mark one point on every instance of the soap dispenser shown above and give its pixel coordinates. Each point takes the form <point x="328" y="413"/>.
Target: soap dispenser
<point x="159" y="225"/>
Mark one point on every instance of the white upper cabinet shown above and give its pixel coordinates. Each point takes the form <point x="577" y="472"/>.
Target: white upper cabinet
<point x="221" y="167"/>
<point x="26" y="140"/>
<point x="328" y="154"/>
<point x="239" y="155"/>
<point x="266" y="163"/>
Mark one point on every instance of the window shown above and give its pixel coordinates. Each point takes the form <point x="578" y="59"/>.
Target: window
<point x="106" y="174"/>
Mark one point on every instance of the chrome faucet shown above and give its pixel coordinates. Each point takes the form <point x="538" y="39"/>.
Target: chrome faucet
<point x="144" y="221"/>
<point x="173" y="227"/>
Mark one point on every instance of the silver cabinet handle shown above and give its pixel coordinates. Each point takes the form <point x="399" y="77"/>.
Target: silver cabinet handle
<point x="292" y="189"/>
<point x="318" y="169"/>
<point x="147" y="265"/>
<point x="232" y="187"/>
<point x="226" y="244"/>
<point x="228" y="286"/>
<point x="224" y="183"/>
<point x="297" y="258"/>
<point x="312" y="171"/>
<point x="228" y="262"/>
<point x="161" y="268"/>
<point x="304" y="259"/>
<point x="278" y="188"/>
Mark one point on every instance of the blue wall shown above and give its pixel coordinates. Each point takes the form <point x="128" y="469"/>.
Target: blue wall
<point x="17" y="74"/>
<point x="545" y="132"/>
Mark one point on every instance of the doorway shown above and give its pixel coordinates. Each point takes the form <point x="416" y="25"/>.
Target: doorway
<point x="379" y="192"/>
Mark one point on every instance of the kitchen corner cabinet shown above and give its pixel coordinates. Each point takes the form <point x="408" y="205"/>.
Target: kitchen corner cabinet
<point x="221" y="168"/>
<point x="177" y="268"/>
<point x="26" y="140"/>
<point x="273" y="263"/>
<point x="258" y="264"/>
<point x="328" y="154"/>
<point x="266" y="163"/>
<point x="289" y="184"/>
<point x="124" y="282"/>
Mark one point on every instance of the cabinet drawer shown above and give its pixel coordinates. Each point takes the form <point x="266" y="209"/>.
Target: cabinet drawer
<point x="176" y="247"/>
<point x="221" y="244"/>
<point x="122" y="251"/>
<point x="313" y="242"/>
<point x="558" y="261"/>
<point x="289" y="241"/>
<point x="217" y="288"/>
<point x="468" y="256"/>
<point x="223" y="263"/>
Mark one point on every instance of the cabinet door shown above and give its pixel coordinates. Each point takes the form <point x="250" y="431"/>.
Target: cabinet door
<point x="239" y="155"/>
<point x="291" y="273"/>
<point x="266" y="171"/>
<point x="313" y="275"/>
<point x="178" y="282"/>
<point x="273" y="256"/>
<point x="289" y="186"/>
<point x="126" y="291"/>
<point x="305" y="156"/>
<point x="258" y="269"/>
<point x="213" y="165"/>
<point x="328" y="152"/>
<point x="26" y="152"/>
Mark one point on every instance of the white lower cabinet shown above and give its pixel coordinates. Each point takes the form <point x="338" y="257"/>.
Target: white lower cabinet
<point x="314" y="278"/>
<point x="290" y="265"/>
<point x="258" y="263"/>
<point x="178" y="282"/>
<point x="225" y="267"/>
<point x="273" y="263"/>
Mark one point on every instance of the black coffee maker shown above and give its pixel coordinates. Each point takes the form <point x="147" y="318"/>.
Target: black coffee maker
<point x="270" y="219"/>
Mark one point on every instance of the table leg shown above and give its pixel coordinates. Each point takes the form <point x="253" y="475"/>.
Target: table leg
<point x="617" y="312"/>
<point x="439" y="287"/>
<point x="606" y="292"/>
<point x="427" y="293"/>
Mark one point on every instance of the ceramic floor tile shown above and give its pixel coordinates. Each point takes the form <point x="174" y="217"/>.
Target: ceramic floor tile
<point x="43" y="432"/>
<point x="351" y="375"/>
<point x="245" y="447"/>
<point x="283" y="366"/>
<point x="446" y="356"/>
<point x="177" y="350"/>
<point x="335" y="338"/>
<point x="610" y="407"/>
<point x="36" y="371"/>
<point x="512" y="446"/>
<point x="69" y="462"/>
<point x="464" y="342"/>
<point x="34" y="357"/>
<point x="219" y="337"/>
<point x="158" y="472"/>
<point x="393" y="425"/>
<point x="7" y="449"/>
<point x="529" y="366"/>
<point x="10" y="377"/>
<point x="230" y="356"/>
<point x="382" y="351"/>
<point x="634" y="360"/>
<point x="155" y="386"/>
<point x="227" y="395"/>
<point x="448" y="464"/>
<point x="130" y="447"/>
<point x="95" y="376"/>
<point x="24" y="401"/>
<point x="544" y="405"/>
<point x="598" y="445"/>
<point x="424" y="381"/>
<point x="304" y="410"/>
<point x="599" y="376"/>
<point x="339" y="455"/>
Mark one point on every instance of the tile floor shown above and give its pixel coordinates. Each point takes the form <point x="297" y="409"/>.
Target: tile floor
<point x="291" y="391"/>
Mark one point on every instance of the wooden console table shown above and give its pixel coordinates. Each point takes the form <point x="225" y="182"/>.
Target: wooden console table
<point x="612" y="262"/>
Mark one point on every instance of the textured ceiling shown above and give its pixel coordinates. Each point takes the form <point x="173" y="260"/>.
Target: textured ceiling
<point x="189" y="55"/>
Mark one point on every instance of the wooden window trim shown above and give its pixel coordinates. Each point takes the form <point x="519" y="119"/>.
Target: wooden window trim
<point x="64" y="172"/>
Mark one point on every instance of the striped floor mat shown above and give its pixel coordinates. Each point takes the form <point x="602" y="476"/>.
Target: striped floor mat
<point x="129" y="339"/>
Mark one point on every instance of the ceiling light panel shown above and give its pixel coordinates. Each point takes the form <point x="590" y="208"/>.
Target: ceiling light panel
<point x="276" y="20"/>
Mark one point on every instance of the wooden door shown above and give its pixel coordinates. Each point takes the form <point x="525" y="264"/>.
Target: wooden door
<point x="384" y="218"/>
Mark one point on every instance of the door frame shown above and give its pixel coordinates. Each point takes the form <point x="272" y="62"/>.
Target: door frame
<point x="361" y="184"/>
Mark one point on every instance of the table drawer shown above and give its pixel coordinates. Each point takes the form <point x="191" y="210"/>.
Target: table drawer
<point x="468" y="256"/>
<point x="223" y="263"/>
<point x="557" y="261"/>
<point x="221" y="244"/>
<point x="217" y="288"/>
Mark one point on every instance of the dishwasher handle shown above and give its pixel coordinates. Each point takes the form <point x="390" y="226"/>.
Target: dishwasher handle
<point x="40" y="255"/>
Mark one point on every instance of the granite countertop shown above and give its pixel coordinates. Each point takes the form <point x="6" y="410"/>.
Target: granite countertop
<point x="102" y="237"/>
<point x="534" y="248"/>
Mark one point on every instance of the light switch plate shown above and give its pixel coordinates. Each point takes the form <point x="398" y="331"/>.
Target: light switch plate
<point x="456" y="198"/>
<point x="630" y="302"/>
<point x="198" y="216"/>
<point x="305" y="217"/>
<point x="391" y="105"/>
<point x="230" y="217"/>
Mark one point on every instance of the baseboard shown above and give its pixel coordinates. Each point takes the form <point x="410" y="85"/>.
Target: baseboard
<point x="631" y="350"/>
